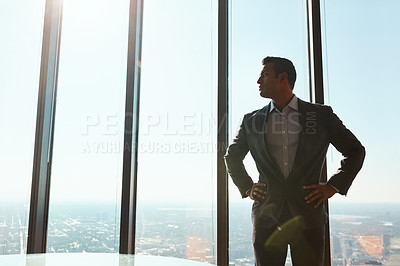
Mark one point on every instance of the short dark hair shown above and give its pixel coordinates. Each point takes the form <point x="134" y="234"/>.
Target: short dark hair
<point x="282" y="65"/>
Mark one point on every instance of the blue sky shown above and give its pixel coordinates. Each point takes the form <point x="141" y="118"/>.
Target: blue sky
<point x="361" y="58"/>
<point x="179" y="90"/>
<point x="360" y="51"/>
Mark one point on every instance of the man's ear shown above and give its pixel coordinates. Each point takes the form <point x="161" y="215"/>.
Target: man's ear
<point x="283" y="76"/>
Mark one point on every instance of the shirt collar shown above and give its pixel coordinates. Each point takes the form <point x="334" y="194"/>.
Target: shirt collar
<point x="294" y="104"/>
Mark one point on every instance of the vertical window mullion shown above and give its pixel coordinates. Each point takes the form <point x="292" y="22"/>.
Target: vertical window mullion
<point x="315" y="41"/>
<point x="39" y="206"/>
<point x="222" y="177"/>
<point x="131" y="130"/>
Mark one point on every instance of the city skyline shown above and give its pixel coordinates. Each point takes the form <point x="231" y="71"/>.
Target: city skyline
<point x="360" y="233"/>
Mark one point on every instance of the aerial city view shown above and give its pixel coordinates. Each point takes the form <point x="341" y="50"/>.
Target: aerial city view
<point x="361" y="234"/>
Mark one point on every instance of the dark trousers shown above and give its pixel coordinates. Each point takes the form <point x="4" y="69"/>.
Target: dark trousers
<point x="306" y="245"/>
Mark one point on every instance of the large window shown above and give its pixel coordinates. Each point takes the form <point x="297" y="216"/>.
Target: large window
<point x="88" y="136"/>
<point x="177" y="136"/>
<point x="176" y="204"/>
<point x="21" y="26"/>
<point x="259" y="29"/>
<point x="361" y="57"/>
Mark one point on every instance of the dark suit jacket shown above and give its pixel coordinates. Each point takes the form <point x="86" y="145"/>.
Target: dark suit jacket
<point x="319" y="127"/>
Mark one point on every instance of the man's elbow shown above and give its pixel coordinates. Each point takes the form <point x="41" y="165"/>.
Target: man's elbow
<point x="227" y="159"/>
<point x="232" y="160"/>
<point x="361" y="153"/>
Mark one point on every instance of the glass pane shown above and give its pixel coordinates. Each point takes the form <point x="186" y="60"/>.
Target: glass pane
<point x="259" y="29"/>
<point x="361" y="70"/>
<point x="89" y="123"/>
<point x="21" y="26"/>
<point x="176" y="166"/>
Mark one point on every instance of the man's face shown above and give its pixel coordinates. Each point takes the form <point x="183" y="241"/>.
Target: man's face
<point x="269" y="84"/>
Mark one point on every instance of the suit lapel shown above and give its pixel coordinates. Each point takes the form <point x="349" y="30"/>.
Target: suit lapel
<point x="260" y="129"/>
<point x="302" y="136"/>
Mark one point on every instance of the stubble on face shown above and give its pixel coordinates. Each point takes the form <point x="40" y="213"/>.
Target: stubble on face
<point x="267" y="81"/>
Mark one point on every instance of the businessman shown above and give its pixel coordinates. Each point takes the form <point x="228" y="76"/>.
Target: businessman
<point x="288" y="140"/>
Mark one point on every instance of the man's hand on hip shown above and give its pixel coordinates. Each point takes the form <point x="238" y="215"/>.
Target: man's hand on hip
<point x="321" y="192"/>
<point x="257" y="193"/>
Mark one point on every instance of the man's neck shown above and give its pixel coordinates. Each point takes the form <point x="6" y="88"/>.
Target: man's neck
<point x="283" y="101"/>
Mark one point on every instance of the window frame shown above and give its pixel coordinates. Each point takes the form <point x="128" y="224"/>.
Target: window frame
<point x="41" y="176"/>
<point x="40" y="191"/>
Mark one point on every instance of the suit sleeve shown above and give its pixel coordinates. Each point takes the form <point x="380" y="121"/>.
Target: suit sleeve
<point x="352" y="150"/>
<point x="234" y="156"/>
